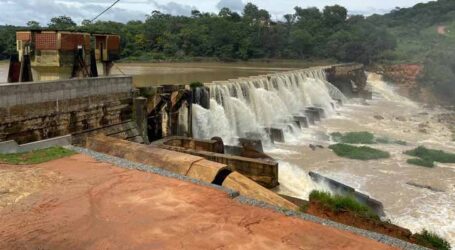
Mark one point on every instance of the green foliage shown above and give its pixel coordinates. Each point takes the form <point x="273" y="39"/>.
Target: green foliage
<point x="419" y="41"/>
<point x="339" y="203"/>
<point x="62" y="23"/>
<point x="35" y="157"/>
<point x="33" y="25"/>
<point x="7" y="41"/>
<point x="363" y="138"/>
<point x="439" y="73"/>
<point x="307" y="33"/>
<point x="358" y="153"/>
<point x="194" y="85"/>
<point x="421" y="162"/>
<point x="354" y="137"/>
<point x="430" y="156"/>
<point x="432" y="240"/>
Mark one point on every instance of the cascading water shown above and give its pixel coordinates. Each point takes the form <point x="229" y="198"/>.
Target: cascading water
<point x="242" y="107"/>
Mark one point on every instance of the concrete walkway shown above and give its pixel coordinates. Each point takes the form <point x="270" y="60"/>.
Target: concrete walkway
<point x="93" y="205"/>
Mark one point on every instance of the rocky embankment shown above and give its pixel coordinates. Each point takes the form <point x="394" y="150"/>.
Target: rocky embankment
<point x="405" y="75"/>
<point x="349" y="218"/>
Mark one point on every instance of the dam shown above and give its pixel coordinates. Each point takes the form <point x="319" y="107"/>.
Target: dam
<point x="259" y="127"/>
<point x="253" y="107"/>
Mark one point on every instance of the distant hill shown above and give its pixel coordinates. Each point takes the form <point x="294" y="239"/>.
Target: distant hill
<point x="420" y="29"/>
<point x="425" y="34"/>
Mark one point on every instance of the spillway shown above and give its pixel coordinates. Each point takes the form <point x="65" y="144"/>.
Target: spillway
<point x="246" y="107"/>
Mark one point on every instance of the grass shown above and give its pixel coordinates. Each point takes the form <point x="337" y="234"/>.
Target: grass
<point x="35" y="157"/>
<point x="421" y="162"/>
<point x="363" y="138"/>
<point x="358" y="153"/>
<point x="432" y="240"/>
<point x="429" y="156"/>
<point x="354" y="137"/>
<point x="338" y="203"/>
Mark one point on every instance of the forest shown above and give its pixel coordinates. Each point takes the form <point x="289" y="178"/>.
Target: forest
<point x="406" y="35"/>
<point x="227" y="35"/>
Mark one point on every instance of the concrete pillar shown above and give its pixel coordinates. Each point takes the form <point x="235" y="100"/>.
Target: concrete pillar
<point x="302" y="121"/>
<point x="190" y="114"/>
<point x="140" y="116"/>
<point x="275" y="134"/>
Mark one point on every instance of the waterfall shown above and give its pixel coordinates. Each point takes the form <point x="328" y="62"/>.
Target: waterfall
<point x="246" y="106"/>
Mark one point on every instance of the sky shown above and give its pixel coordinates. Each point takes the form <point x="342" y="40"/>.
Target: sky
<point x="19" y="12"/>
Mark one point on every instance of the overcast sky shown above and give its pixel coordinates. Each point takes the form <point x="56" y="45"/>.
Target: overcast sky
<point x="18" y="12"/>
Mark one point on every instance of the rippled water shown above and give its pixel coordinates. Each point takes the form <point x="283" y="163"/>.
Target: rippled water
<point x="149" y="74"/>
<point x="386" y="180"/>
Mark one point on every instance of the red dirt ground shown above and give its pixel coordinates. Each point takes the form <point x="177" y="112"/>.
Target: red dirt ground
<point x="94" y="205"/>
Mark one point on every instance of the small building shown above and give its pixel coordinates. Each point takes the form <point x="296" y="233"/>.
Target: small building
<point x="53" y="55"/>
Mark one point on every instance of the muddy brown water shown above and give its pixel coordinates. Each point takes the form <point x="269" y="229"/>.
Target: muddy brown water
<point x="150" y="74"/>
<point x="428" y="205"/>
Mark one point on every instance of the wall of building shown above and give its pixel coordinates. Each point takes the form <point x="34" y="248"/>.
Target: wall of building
<point x="41" y="110"/>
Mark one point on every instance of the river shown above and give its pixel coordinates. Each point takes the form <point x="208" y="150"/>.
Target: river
<point x="387" y="115"/>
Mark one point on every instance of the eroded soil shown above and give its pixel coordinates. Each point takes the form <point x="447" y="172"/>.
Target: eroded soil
<point x="78" y="203"/>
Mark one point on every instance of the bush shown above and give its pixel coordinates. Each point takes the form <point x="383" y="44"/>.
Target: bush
<point x="354" y="137"/>
<point x="421" y="162"/>
<point x="339" y="203"/>
<point x="35" y="157"/>
<point x="432" y="155"/>
<point x="196" y="84"/>
<point x="432" y="240"/>
<point x="358" y="153"/>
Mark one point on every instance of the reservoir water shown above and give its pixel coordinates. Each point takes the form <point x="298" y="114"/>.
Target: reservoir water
<point x="149" y="74"/>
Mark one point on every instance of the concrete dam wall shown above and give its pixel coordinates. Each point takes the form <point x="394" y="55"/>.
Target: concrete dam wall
<point x="259" y="107"/>
<point x="41" y="110"/>
<point x="268" y="108"/>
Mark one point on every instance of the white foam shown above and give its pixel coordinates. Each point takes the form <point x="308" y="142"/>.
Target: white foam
<point x="295" y="182"/>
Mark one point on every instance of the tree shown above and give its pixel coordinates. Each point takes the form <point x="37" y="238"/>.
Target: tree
<point x="290" y="19"/>
<point x="33" y="24"/>
<point x="335" y="15"/>
<point x="251" y="12"/>
<point x="301" y="42"/>
<point x="7" y="41"/>
<point x="62" y="23"/>
<point x="196" y="13"/>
